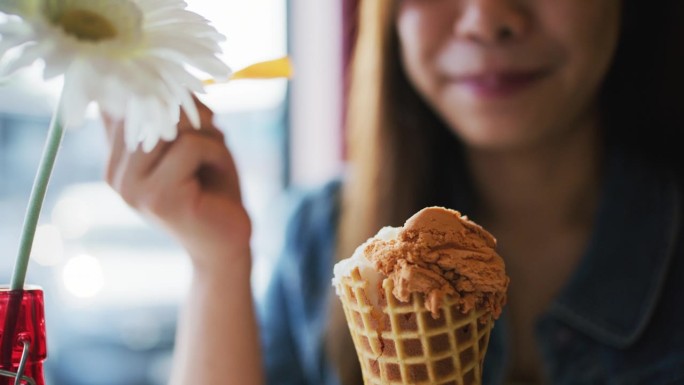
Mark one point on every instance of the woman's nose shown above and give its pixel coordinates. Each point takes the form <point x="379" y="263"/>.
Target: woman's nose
<point x="490" y="22"/>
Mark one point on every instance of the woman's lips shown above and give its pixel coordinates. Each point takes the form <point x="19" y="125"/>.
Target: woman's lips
<point x="497" y="84"/>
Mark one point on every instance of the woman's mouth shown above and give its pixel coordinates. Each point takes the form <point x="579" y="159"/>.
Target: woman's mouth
<point x="497" y="84"/>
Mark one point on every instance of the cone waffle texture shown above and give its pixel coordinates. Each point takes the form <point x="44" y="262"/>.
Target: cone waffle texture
<point x="402" y="343"/>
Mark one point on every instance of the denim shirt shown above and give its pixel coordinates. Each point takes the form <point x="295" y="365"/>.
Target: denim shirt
<point x="619" y="320"/>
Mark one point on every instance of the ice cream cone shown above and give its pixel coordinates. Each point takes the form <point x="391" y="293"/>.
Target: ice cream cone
<point x="403" y="343"/>
<point x="421" y="299"/>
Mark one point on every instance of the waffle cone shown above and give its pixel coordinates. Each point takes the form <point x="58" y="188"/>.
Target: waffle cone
<point x="402" y="343"/>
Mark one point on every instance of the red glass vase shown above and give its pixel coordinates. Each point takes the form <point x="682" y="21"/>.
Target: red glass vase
<point x="22" y="332"/>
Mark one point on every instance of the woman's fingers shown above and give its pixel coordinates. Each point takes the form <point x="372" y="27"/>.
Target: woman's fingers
<point x="194" y="166"/>
<point x="128" y="170"/>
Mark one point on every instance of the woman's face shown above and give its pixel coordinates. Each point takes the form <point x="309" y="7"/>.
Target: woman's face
<point x="509" y="73"/>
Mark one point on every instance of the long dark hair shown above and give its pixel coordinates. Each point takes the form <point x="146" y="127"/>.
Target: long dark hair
<point x="642" y="101"/>
<point x="398" y="147"/>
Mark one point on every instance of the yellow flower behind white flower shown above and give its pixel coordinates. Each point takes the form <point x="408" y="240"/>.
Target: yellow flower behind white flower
<point x="134" y="58"/>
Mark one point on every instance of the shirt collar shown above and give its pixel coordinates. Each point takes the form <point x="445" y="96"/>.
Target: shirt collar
<point x="613" y="293"/>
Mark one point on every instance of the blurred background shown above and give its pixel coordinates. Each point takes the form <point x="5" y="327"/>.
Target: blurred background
<point x="112" y="281"/>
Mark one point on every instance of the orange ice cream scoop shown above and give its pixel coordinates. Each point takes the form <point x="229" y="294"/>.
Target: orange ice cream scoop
<point x="437" y="253"/>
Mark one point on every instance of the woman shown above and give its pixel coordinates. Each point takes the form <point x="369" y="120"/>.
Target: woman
<point x="548" y="122"/>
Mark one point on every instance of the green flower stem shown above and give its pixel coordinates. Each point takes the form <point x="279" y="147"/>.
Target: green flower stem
<point x="40" y="184"/>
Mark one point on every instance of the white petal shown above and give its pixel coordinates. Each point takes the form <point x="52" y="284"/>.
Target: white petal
<point x="149" y="135"/>
<point x="14" y="28"/>
<point x="10" y="39"/>
<point x="133" y="123"/>
<point x="172" y="15"/>
<point x="173" y="77"/>
<point x="169" y="125"/>
<point x="153" y="79"/>
<point x="7" y="44"/>
<point x="190" y="109"/>
<point x="174" y="72"/>
<point x="73" y="104"/>
<point x="147" y="121"/>
<point x="74" y="95"/>
<point x="212" y="66"/>
<point x="205" y="63"/>
<point x="29" y="54"/>
<point x="193" y="29"/>
<point x="56" y="63"/>
<point x="149" y="6"/>
<point x="113" y="101"/>
<point x="187" y="45"/>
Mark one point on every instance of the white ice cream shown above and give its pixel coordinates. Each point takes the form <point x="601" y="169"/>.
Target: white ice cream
<point x="345" y="267"/>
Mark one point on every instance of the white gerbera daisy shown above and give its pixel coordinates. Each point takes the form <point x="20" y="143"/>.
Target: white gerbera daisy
<point x="131" y="57"/>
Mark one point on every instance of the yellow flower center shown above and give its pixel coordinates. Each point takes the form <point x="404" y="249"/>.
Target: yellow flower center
<point x="87" y="25"/>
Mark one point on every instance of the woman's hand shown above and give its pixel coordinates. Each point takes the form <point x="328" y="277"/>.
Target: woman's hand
<point x="190" y="186"/>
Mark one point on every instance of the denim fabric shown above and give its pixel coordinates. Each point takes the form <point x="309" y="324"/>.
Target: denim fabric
<point x="294" y="312"/>
<point x="618" y="321"/>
